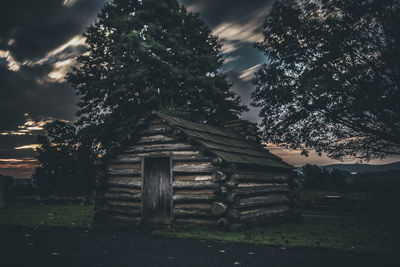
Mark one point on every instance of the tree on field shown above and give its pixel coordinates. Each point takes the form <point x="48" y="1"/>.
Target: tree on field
<point x="64" y="161"/>
<point x="149" y="55"/>
<point x="332" y="78"/>
<point x="314" y="177"/>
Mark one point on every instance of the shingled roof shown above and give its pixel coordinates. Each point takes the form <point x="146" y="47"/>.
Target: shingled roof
<point x="227" y="144"/>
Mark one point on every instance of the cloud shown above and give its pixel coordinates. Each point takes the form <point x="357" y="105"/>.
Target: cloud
<point x="16" y="161"/>
<point x="28" y="91"/>
<point x="11" y="63"/>
<point x="69" y="2"/>
<point x="31" y="146"/>
<point x="37" y="27"/>
<point x="295" y="158"/>
<point x="248" y="74"/>
<point x="17" y="167"/>
<point x="232" y="31"/>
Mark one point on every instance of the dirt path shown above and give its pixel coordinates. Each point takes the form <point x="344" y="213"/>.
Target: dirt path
<point x="73" y="248"/>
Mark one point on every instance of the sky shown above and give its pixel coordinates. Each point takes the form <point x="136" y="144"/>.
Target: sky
<point x="39" y="41"/>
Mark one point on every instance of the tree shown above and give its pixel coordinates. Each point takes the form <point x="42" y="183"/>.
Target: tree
<point x="64" y="161"/>
<point x="332" y="78"/>
<point x="314" y="177"/>
<point x="148" y="55"/>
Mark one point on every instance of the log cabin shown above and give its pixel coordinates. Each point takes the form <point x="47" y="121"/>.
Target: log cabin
<point x="171" y="171"/>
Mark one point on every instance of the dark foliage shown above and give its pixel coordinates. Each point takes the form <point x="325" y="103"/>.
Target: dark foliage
<point x="333" y="77"/>
<point x="65" y="162"/>
<point x="379" y="184"/>
<point x="149" y="55"/>
<point x="316" y="178"/>
<point x="8" y="186"/>
<point x="382" y="186"/>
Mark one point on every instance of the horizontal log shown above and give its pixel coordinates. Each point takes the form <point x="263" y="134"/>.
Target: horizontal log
<point x="261" y="201"/>
<point x="249" y="191"/>
<point x="191" y="213"/>
<point x="244" y="185"/>
<point x="193" y="167"/>
<point x="161" y="126"/>
<point x="193" y="198"/>
<point x="124" y="179"/>
<point x="126" y="159"/>
<point x="119" y="189"/>
<point x="156" y="139"/>
<point x="218" y="208"/>
<point x="121" y="211"/>
<point x="156" y="121"/>
<point x="194" y="185"/>
<point x="177" y="157"/>
<point x="124" y="204"/>
<point x="125" y="183"/>
<point x="263" y="213"/>
<point x="194" y="206"/>
<point x="188" y="153"/>
<point x="194" y="177"/>
<point x="120" y="196"/>
<point x="156" y="129"/>
<point x="123" y="166"/>
<point x="191" y="158"/>
<point x="247" y="176"/>
<point x="195" y="222"/>
<point x="125" y="219"/>
<point x="210" y="192"/>
<point x="124" y="172"/>
<point x="159" y="147"/>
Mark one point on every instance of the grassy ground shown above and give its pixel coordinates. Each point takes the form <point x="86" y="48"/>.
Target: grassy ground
<point x="42" y="215"/>
<point x="355" y="234"/>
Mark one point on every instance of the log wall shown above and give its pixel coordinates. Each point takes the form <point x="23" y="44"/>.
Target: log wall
<point x="193" y="186"/>
<point x="249" y="197"/>
<point x="204" y="194"/>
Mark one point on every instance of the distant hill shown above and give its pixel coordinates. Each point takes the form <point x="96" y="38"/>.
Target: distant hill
<point x="360" y="168"/>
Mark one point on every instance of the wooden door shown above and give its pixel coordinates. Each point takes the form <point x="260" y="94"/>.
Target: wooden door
<point x="157" y="191"/>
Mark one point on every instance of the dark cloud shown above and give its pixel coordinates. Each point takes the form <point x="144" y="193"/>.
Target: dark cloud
<point x="40" y="26"/>
<point x="28" y="91"/>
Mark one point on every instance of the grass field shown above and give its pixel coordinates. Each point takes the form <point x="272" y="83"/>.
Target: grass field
<point x="41" y="215"/>
<point x="356" y="234"/>
<point x="353" y="234"/>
